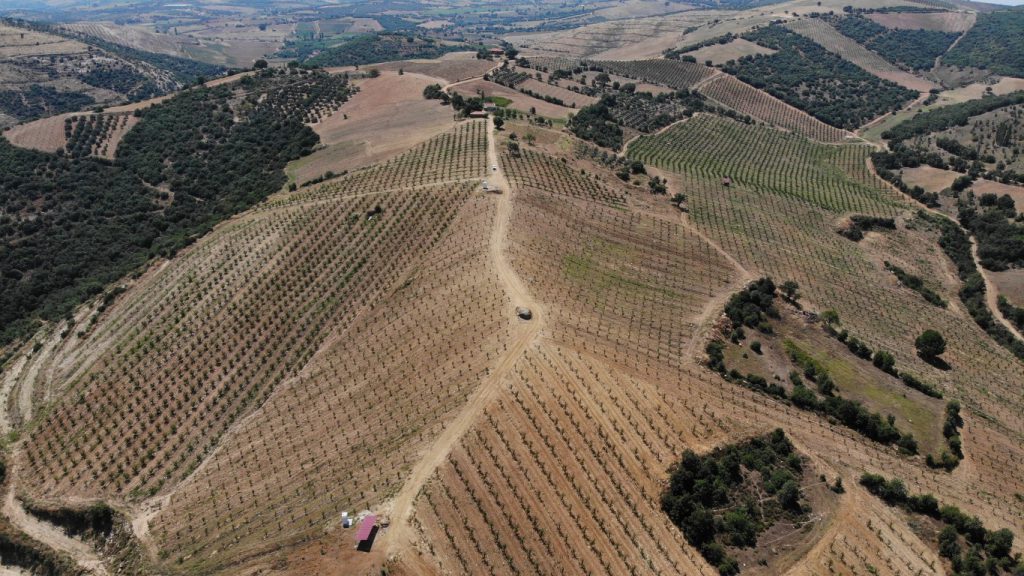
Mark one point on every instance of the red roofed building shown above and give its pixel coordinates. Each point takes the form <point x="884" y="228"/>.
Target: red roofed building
<point x="366" y="529"/>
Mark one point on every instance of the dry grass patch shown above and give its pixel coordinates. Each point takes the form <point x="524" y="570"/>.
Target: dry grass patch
<point x="385" y="118"/>
<point x="941" y="21"/>
<point x="1010" y="284"/>
<point x="929" y="178"/>
<point x="734" y="50"/>
<point x="520" y="101"/>
<point x="45" y="134"/>
<point x="832" y="40"/>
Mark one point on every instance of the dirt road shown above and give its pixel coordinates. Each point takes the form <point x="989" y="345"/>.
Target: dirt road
<point x="992" y="292"/>
<point x="523" y="335"/>
<point x="47" y="533"/>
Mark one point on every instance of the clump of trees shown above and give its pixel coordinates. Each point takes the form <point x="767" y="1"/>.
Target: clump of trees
<point x="383" y="47"/>
<point x="752" y="307"/>
<point x="807" y="76"/>
<point x="709" y="497"/>
<point x="916" y="283"/>
<point x="596" y="124"/>
<point x="930" y="345"/>
<point x="988" y="44"/>
<point x="951" y="457"/>
<point x="218" y="153"/>
<point x="964" y="541"/>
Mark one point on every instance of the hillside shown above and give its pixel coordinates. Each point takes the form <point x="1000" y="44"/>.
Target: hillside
<point x="45" y="72"/>
<point x="707" y="288"/>
<point x="75" y="224"/>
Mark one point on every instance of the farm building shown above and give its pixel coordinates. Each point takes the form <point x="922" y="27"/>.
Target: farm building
<point x="367" y="531"/>
<point x="478" y="114"/>
<point x="496" y="51"/>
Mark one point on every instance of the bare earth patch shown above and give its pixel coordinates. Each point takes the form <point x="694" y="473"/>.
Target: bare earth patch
<point x="520" y="101"/>
<point x="389" y="115"/>
<point x="943" y="21"/>
<point x="45" y="134"/>
<point x="1010" y="284"/>
<point x="929" y="178"/>
<point x="722" y="53"/>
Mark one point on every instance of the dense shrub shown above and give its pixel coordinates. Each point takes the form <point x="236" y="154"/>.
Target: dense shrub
<point x="995" y="42"/>
<point x="708" y="497"/>
<point x="807" y="76"/>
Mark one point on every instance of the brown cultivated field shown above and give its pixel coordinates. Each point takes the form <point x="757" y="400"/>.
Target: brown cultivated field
<point x="830" y="39"/>
<point x="138" y="37"/>
<point x="344" y="291"/>
<point x="564" y="94"/>
<point x="520" y="101"/>
<point x="734" y="50"/>
<point x="45" y="134"/>
<point x="450" y="70"/>
<point x="746" y="99"/>
<point x="943" y="21"/>
<point x="354" y="346"/>
<point x="631" y="39"/>
<point x="20" y="42"/>
<point x="387" y="116"/>
<point x="1010" y="284"/>
<point x="929" y="178"/>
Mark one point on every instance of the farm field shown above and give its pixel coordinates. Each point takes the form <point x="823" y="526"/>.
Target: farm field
<point x="571" y="99"/>
<point x="137" y="37"/>
<point x="449" y="70"/>
<point x="520" y="101"/>
<point x="634" y="39"/>
<point x="345" y="274"/>
<point x="758" y="104"/>
<point x="941" y="21"/>
<point x="857" y="285"/>
<point x="562" y="393"/>
<point x="733" y="50"/>
<point x="830" y="39"/>
<point x="930" y="178"/>
<point x="45" y="134"/>
<point x="326" y="318"/>
<point x="386" y="117"/>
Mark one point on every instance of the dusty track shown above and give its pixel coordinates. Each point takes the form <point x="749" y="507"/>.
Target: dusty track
<point x="992" y="292"/>
<point x="523" y="335"/>
<point x="44" y="532"/>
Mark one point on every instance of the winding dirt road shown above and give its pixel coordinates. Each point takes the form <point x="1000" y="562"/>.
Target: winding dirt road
<point x="49" y="534"/>
<point x="991" y="292"/>
<point x="523" y="335"/>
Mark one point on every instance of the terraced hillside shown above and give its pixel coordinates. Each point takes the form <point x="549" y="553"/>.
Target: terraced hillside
<point x="46" y="71"/>
<point x="490" y="347"/>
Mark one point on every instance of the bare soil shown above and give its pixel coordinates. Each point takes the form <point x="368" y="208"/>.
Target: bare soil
<point x="734" y="50"/>
<point x="520" y="101"/>
<point x="386" y="117"/>
<point x="942" y="21"/>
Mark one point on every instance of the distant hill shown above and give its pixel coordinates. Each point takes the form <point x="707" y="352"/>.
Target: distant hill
<point x="46" y="71"/>
<point x="996" y="43"/>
